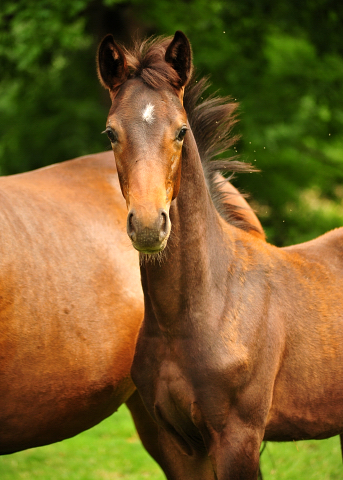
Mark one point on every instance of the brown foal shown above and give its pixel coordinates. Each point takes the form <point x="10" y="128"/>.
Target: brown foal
<point x="241" y="341"/>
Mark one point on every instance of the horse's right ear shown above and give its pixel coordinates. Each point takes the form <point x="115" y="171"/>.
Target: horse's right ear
<point x="111" y="64"/>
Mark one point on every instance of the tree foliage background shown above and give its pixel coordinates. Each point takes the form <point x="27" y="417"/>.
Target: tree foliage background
<point x="282" y="61"/>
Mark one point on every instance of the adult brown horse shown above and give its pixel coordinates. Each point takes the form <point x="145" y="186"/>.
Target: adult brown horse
<point x="71" y="303"/>
<point x="241" y="341"/>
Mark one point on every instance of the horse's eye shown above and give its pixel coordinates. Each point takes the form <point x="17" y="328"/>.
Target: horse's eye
<point x="112" y="134"/>
<point x="181" y="135"/>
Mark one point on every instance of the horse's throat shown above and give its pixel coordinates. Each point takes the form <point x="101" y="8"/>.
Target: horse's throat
<point x="191" y="278"/>
<point x="183" y="287"/>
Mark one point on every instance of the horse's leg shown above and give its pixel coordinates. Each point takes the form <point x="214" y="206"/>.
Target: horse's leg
<point x="235" y="452"/>
<point x="341" y="440"/>
<point x="260" y="476"/>
<point x="163" y="449"/>
<point x="146" y="427"/>
<point x="180" y="465"/>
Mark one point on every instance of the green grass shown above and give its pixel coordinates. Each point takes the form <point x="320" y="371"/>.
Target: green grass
<point x="112" y="451"/>
<point x="310" y="460"/>
<point x="109" y="451"/>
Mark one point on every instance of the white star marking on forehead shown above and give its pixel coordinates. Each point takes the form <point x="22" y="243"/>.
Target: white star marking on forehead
<point x="148" y="113"/>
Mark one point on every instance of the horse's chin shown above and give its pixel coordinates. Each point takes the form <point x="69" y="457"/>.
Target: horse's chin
<point x="151" y="250"/>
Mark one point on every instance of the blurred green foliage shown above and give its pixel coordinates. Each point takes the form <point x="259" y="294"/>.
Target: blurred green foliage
<point x="283" y="62"/>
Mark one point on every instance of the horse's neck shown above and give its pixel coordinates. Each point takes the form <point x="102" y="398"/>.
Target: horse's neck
<point x="190" y="279"/>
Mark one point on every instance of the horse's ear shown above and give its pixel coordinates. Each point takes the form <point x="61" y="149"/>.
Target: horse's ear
<point x="179" y="56"/>
<point x="111" y="64"/>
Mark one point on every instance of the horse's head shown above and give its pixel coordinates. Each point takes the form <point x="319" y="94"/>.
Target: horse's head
<point x="146" y="126"/>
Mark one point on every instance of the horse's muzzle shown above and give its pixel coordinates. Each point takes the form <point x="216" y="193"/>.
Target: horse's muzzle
<point x="148" y="237"/>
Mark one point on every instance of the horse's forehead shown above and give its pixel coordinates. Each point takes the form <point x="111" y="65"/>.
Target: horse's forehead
<point x="144" y="104"/>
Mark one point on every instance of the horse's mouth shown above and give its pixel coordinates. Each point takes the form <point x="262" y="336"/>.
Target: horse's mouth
<point x="150" y="249"/>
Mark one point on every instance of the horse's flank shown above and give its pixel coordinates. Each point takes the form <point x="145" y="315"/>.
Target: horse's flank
<point x="71" y="301"/>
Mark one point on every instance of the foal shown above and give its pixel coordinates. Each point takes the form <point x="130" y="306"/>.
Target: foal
<point x="241" y="341"/>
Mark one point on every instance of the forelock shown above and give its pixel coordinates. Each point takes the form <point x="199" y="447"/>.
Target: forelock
<point x="147" y="60"/>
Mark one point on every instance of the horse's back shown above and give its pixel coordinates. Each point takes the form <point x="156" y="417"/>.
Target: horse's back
<point x="70" y="301"/>
<point x="309" y="305"/>
<point x="326" y="249"/>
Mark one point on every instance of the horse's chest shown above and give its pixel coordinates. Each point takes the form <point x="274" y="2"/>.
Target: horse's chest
<point x="176" y="407"/>
<point x="174" y="392"/>
<point x="185" y="384"/>
<point x="161" y="371"/>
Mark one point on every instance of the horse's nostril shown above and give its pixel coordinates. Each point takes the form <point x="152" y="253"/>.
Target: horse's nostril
<point x="163" y="224"/>
<point x="163" y="220"/>
<point x="131" y="231"/>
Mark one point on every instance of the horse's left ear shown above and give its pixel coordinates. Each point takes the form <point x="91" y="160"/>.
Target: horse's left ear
<point x="179" y="56"/>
